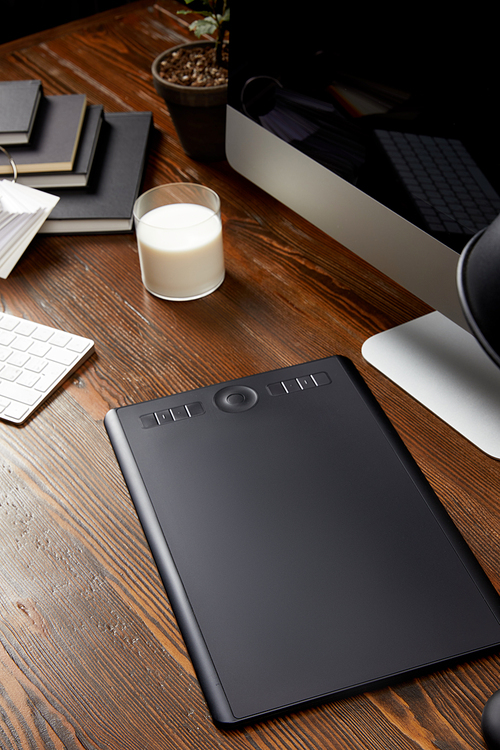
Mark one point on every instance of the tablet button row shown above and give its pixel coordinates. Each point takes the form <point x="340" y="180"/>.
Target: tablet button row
<point x="175" y="414"/>
<point x="298" y="384"/>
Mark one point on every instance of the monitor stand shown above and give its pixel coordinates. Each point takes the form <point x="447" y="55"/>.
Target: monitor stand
<point x="443" y="366"/>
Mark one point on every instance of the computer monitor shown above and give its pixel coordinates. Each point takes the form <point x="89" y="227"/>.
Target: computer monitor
<point x="312" y="96"/>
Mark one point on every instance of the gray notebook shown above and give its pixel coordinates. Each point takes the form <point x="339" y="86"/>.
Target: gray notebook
<point x="304" y="554"/>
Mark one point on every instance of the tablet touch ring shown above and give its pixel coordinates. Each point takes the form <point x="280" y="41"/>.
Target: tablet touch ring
<point x="235" y="398"/>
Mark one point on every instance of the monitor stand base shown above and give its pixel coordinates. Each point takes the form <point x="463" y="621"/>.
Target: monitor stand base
<point x="443" y="367"/>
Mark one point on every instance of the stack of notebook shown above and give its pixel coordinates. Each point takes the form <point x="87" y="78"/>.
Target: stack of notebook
<point x="92" y="161"/>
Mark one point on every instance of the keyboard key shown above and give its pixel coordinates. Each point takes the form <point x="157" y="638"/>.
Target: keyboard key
<point x="18" y="359"/>
<point x="6" y="338"/>
<point x="18" y="393"/>
<point x="36" y="364"/>
<point x="63" y="356"/>
<point x="39" y="349"/>
<point x="42" y="333"/>
<point x="10" y="373"/>
<point x="8" y="322"/>
<point x="50" y="375"/>
<point x="77" y="344"/>
<point x="15" y="411"/>
<point x="21" y="343"/>
<point x="25" y="328"/>
<point x="60" y="339"/>
<point x="27" y="378"/>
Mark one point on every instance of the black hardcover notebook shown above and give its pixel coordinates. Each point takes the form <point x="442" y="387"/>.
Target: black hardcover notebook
<point x="54" y="140"/>
<point x="79" y="175"/>
<point x="19" y="102"/>
<point x="106" y="203"/>
<point x="304" y="554"/>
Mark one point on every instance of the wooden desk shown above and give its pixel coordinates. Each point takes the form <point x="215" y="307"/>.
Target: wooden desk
<point x="90" y="654"/>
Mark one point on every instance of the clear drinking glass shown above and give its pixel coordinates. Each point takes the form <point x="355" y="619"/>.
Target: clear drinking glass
<point x="179" y="236"/>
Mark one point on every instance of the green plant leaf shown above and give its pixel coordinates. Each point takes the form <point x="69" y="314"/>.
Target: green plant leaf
<point x="204" y="26"/>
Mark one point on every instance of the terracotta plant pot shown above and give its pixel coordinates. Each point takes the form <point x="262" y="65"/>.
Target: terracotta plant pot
<point x="198" y="113"/>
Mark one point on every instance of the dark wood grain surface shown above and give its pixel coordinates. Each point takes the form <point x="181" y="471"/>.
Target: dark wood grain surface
<point x="90" y="653"/>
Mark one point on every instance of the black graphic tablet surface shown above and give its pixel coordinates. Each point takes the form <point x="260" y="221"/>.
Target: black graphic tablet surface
<point x="303" y="552"/>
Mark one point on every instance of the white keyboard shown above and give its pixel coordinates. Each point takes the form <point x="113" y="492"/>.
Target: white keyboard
<point x="34" y="360"/>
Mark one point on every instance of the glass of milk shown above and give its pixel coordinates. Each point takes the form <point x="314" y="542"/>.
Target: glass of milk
<point x="179" y="236"/>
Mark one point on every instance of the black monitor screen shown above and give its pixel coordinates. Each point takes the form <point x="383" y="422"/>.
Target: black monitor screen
<point x="351" y="88"/>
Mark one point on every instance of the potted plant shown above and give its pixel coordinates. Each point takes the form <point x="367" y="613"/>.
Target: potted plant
<point x="192" y="79"/>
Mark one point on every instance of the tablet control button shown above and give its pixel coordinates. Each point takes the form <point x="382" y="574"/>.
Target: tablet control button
<point x="163" y="416"/>
<point x="195" y="409"/>
<point x="306" y="382"/>
<point x="276" y="389"/>
<point x="321" y="378"/>
<point x="291" y="386"/>
<point x="178" y="413"/>
<point x="235" y="398"/>
<point x="148" y="420"/>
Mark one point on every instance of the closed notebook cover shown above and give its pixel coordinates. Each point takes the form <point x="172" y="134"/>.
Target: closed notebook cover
<point x="19" y="102"/>
<point x="304" y="554"/>
<point x="54" y="139"/>
<point x="107" y="202"/>
<point x="79" y="175"/>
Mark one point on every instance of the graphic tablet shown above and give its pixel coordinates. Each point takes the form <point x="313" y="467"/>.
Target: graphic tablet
<point x="304" y="554"/>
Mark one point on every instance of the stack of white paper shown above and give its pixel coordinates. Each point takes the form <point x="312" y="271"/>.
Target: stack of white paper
<point x="22" y="212"/>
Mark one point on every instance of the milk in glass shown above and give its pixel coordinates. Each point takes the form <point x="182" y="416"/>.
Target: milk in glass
<point x="180" y="250"/>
